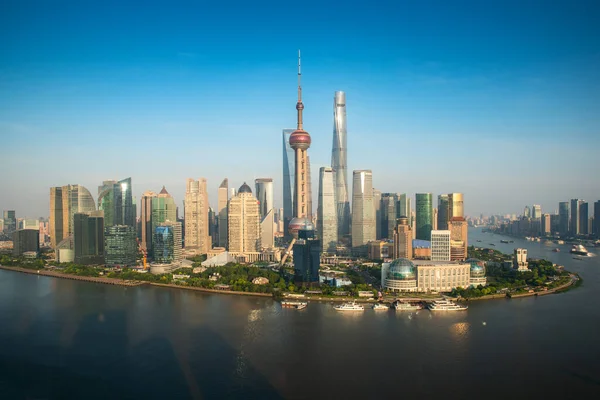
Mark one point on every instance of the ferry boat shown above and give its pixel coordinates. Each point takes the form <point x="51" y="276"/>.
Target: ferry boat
<point x="556" y="250"/>
<point x="380" y="307"/>
<point x="298" y="305"/>
<point x="401" y="306"/>
<point x="446" y="305"/>
<point x="349" y="307"/>
<point x="579" y="250"/>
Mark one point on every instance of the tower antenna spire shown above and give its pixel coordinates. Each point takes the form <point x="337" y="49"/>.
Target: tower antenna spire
<point x="299" y="105"/>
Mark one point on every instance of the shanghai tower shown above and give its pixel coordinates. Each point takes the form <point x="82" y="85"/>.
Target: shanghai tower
<point x="339" y="164"/>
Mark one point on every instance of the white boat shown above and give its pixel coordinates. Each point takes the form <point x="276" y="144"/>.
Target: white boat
<point x="579" y="249"/>
<point x="401" y="306"/>
<point x="298" y="305"/>
<point x="380" y="307"/>
<point x="349" y="307"/>
<point x="446" y="305"/>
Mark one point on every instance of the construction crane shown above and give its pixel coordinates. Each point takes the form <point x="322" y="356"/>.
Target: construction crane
<point x="144" y="254"/>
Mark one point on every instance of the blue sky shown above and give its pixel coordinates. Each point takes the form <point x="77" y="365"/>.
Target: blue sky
<point x="499" y="100"/>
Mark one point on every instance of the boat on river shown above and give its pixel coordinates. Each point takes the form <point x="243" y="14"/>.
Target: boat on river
<point x="298" y="305"/>
<point x="402" y="306"/>
<point x="579" y="250"/>
<point x="380" y="307"/>
<point x="446" y="305"/>
<point x="349" y="307"/>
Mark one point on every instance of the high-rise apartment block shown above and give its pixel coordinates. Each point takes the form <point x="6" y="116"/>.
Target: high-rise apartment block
<point x="197" y="226"/>
<point x="424" y="216"/>
<point x="546" y="227"/>
<point x="536" y="211"/>
<point x="440" y="245"/>
<point x="403" y="237"/>
<point x="363" y="211"/>
<point x="222" y="200"/>
<point x="327" y="211"/>
<point x="520" y="260"/>
<point x="244" y="222"/>
<point x="459" y="241"/>
<point x="339" y="163"/>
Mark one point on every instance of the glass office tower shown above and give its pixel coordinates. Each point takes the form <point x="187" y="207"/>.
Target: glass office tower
<point x="339" y="164"/>
<point x="424" y="208"/>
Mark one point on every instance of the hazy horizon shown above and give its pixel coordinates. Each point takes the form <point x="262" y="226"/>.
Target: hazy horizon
<point x="500" y="103"/>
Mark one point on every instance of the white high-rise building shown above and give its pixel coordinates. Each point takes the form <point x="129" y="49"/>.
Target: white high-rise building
<point x="363" y="211"/>
<point x="327" y="221"/>
<point x="520" y="260"/>
<point x="264" y="194"/>
<point x="244" y="222"/>
<point x="196" y="216"/>
<point x="440" y="245"/>
<point x="536" y="211"/>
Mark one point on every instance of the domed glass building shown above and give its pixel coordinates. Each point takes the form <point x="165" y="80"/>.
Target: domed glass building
<point x="477" y="272"/>
<point x="399" y="275"/>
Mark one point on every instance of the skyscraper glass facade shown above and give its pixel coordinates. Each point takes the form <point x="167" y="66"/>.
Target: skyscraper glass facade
<point x="424" y="216"/>
<point x="405" y="208"/>
<point x="327" y="215"/>
<point x="563" y="217"/>
<point x="443" y="215"/>
<point x="264" y="194"/>
<point x="167" y="243"/>
<point x="363" y="211"/>
<point x="339" y="163"/>
<point x="120" y="246"/>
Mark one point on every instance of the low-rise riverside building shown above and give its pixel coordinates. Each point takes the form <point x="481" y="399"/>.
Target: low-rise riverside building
<point x="403" y="275"/>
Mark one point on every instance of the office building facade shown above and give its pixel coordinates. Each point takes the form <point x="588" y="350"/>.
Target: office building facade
<point x="146" y="220"/>
<point x="222" y="200"/>
<point x="264" y="194"/>
<point x="163" y="209"/>
<point x="307" y="256"/>
<point x="10" y="221"/>
<point x="443" y="215"/>
<point x="327" y="211"/>
<point x="88" y="238"/>
<point x="455" y="205"/>
<point x="363" y="211"/>
<point x="196" y="216"/>
<point x="424" y="216"/>
<point x="403" y="237"/>
<point x="440" y="245"/>
<point x="26" y="241"/>
<point x="167" y="243"/>
<point x="120" y="246"/>
<point x="459" y="241"/>
<point x="563" y="218"/>
<point x="405" y="208"/>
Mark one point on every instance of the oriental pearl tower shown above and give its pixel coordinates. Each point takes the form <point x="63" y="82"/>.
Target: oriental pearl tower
<point x="300" y="142"/>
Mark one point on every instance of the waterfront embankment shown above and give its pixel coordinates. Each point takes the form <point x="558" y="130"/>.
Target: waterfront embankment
<point x="572" y="281"/>
<point x="93" y="279"/>
<point x="200" y="289"/>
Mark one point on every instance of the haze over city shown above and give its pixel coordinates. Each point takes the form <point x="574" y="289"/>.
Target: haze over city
<point x="500" y="104"/>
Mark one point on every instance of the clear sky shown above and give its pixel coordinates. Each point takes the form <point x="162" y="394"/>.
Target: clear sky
<point x="499" y="100"/>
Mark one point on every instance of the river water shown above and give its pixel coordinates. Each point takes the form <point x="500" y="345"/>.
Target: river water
<point x="66" y="339"/>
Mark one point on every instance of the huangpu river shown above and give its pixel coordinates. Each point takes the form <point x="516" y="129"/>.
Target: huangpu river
<point x="63" y="339"/>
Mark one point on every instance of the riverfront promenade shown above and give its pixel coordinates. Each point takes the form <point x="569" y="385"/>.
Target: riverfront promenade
<point x="93" y="279"/>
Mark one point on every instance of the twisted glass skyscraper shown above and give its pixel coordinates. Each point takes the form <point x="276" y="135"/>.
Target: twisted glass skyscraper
<point x="339" y="163"/>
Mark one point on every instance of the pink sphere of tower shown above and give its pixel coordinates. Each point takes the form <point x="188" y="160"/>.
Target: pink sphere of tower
<point x="300" y="139"/>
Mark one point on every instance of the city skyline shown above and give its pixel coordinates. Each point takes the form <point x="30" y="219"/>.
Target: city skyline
<point x="405" y="87"/>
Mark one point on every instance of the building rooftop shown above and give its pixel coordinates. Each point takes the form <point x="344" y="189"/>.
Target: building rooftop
<point x="441" y="263"/>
